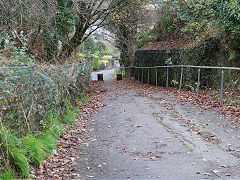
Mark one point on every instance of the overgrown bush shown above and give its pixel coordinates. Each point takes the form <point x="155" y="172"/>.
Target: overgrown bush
<point x="35" y="105"/>
<point x="96" y="62"/>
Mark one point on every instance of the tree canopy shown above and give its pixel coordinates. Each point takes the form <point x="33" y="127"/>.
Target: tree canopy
<point x="52" y="29"/>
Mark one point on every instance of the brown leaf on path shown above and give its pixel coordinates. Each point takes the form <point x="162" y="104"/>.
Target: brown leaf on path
<point x="153" y="158"/>
<point x="223" y="165"/>
<point x="135" y="158"/>
<point x="215" y="171"/>
<point x="207" y="174"/>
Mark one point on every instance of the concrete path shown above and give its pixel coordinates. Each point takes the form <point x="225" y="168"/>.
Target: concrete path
<point x="135" y="137"/>
<point x="107" y="74"/>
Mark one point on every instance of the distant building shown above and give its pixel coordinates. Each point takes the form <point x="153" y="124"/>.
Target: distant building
<point x="102" y="34"/>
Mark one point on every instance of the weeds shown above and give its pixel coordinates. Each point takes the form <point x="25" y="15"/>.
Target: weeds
<point x="35" y="108"/>
<point x="70" y="117"/>
<point x="48" y="140"/>
<point x="34" y="150"/>
<point x="8" y="175"/>
<point x="18" y="159"/>
<point x="18" y="154"/>
<point x="84" y="99"/>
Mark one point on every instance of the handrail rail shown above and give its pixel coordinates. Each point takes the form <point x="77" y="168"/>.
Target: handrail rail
<point x="186" y="66"/>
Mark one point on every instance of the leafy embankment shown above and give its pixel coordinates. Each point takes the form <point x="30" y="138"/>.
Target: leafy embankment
<point x="21" y="155"/>
<point x="62" y="163"/>
<point x="37" y="104"/>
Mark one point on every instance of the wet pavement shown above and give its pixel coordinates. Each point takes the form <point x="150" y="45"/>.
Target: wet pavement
<point x="137" y="137"/>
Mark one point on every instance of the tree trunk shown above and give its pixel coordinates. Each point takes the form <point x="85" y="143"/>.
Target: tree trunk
<point x="74" y="42"/>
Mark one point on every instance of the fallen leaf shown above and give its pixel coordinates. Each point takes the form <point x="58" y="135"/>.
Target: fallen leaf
<point x="153" y="158"/>
<point x="139" y="125"/>
<point x="135" y="159"/>
<point x="73" y="159"/>
<point x="215" y="171"/>
<point x="207" y="174"/>
<point x="223" y="165"/>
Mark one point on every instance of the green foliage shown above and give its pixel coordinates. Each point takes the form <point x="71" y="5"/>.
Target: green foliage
<point x="228" y="13"/>
<point x="96" y="62"/>
<point x="168" y="26"/>
<point x="101" y="47"/>
<point x="144" y="37"/>
<point x="89" y="46"/>
<point x="8" y="175"/>
<point x="69" y="116"/>
<point x="18" y="159"/>
<point x="97" y="48"/>
<point x="107" y="57"/>
<point x="48" y="140"/>
<point x="56" y="128"/>
<point x="202" y="21"/>
<point x="20" y="56"/>
<point x="84" y="99"/>
<point x="15" y="156"/>
<point x="34" y="150"/>
<point x="65" y="20"/>
<point x="188" y="87"/>
<point x="196" y="18"/>
<point x="81" y="56"/>
<point x="169" y="61"/>
<point x="175" y="83"/>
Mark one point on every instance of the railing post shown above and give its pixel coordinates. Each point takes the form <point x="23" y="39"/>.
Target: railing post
<point x="156" y="76"/>
<point x="222" y="86"/>
<point x="138" y="74"/>
<point x="134" y="71"/>
<point x="198" y="85"/>
<point x="181" y="79"/>
<point x="148" y="75"/>
<point x="142" y="75"/>
<point x="167" y="78"/>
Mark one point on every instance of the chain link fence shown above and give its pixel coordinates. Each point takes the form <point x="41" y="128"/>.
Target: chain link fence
<point x="29" y="94"/>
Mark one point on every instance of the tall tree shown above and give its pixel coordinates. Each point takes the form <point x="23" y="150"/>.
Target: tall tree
<point x="124" y="23"/>
<point x="53" y="28"/>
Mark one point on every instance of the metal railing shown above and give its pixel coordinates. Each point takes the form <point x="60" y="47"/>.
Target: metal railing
<point x="137" y="72"/>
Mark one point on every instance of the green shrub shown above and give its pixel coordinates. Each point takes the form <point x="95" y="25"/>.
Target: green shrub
<point x="8" y="175"/>
<point x="35" y="150"/>
<point x="56" y="128"/>
<point x="48" y="140"/>
<point x="70" y="115"/>
<point x="18" y="159"/>
<point x="82" y="56"/>
<point x="84" y="98"/>
<point x="15" y="156"/>
<point x="96" y="63"/>
<point x="107" y="57"/>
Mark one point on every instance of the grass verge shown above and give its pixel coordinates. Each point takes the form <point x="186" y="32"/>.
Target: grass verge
<point x="17" y="155"/>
